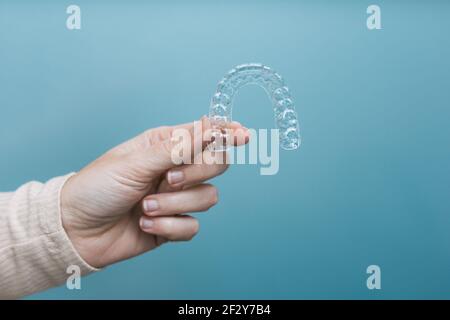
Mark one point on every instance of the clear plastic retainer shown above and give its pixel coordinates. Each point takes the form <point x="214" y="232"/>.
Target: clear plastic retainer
<point x="220" y="111"/>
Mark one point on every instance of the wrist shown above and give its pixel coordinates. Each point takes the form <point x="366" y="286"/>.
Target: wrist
<point x="73" y="227"/>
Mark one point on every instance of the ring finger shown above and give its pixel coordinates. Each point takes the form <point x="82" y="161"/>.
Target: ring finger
<point x="194" y="199"/>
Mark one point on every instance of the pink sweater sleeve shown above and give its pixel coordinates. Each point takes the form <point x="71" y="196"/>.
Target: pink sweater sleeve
<point x="35" y="251"/>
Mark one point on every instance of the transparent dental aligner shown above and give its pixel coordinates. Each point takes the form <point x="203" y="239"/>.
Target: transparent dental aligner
<point x="220" y="112"/>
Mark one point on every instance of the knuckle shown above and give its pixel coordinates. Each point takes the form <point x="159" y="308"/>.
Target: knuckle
<point x="158" y="134"/>
<point x="163" y="133"/>
<point x="150" y="135"/>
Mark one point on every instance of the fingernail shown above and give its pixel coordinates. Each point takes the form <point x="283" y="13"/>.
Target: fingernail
<point x="146" y="223"/>
<point x="175" y="176"/>
<point x="150" y="205"/>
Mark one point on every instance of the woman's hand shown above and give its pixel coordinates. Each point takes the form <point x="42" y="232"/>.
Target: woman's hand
<point x="134" y="198"/>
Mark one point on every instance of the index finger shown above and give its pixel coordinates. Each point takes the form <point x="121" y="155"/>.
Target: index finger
<point x="238" y="134"/>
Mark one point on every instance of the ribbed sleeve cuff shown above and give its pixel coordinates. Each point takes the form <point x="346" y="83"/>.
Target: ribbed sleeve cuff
<point x="59" y="243"/>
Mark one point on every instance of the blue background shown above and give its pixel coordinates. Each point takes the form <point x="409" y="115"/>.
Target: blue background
<point x="370" y="184"/>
